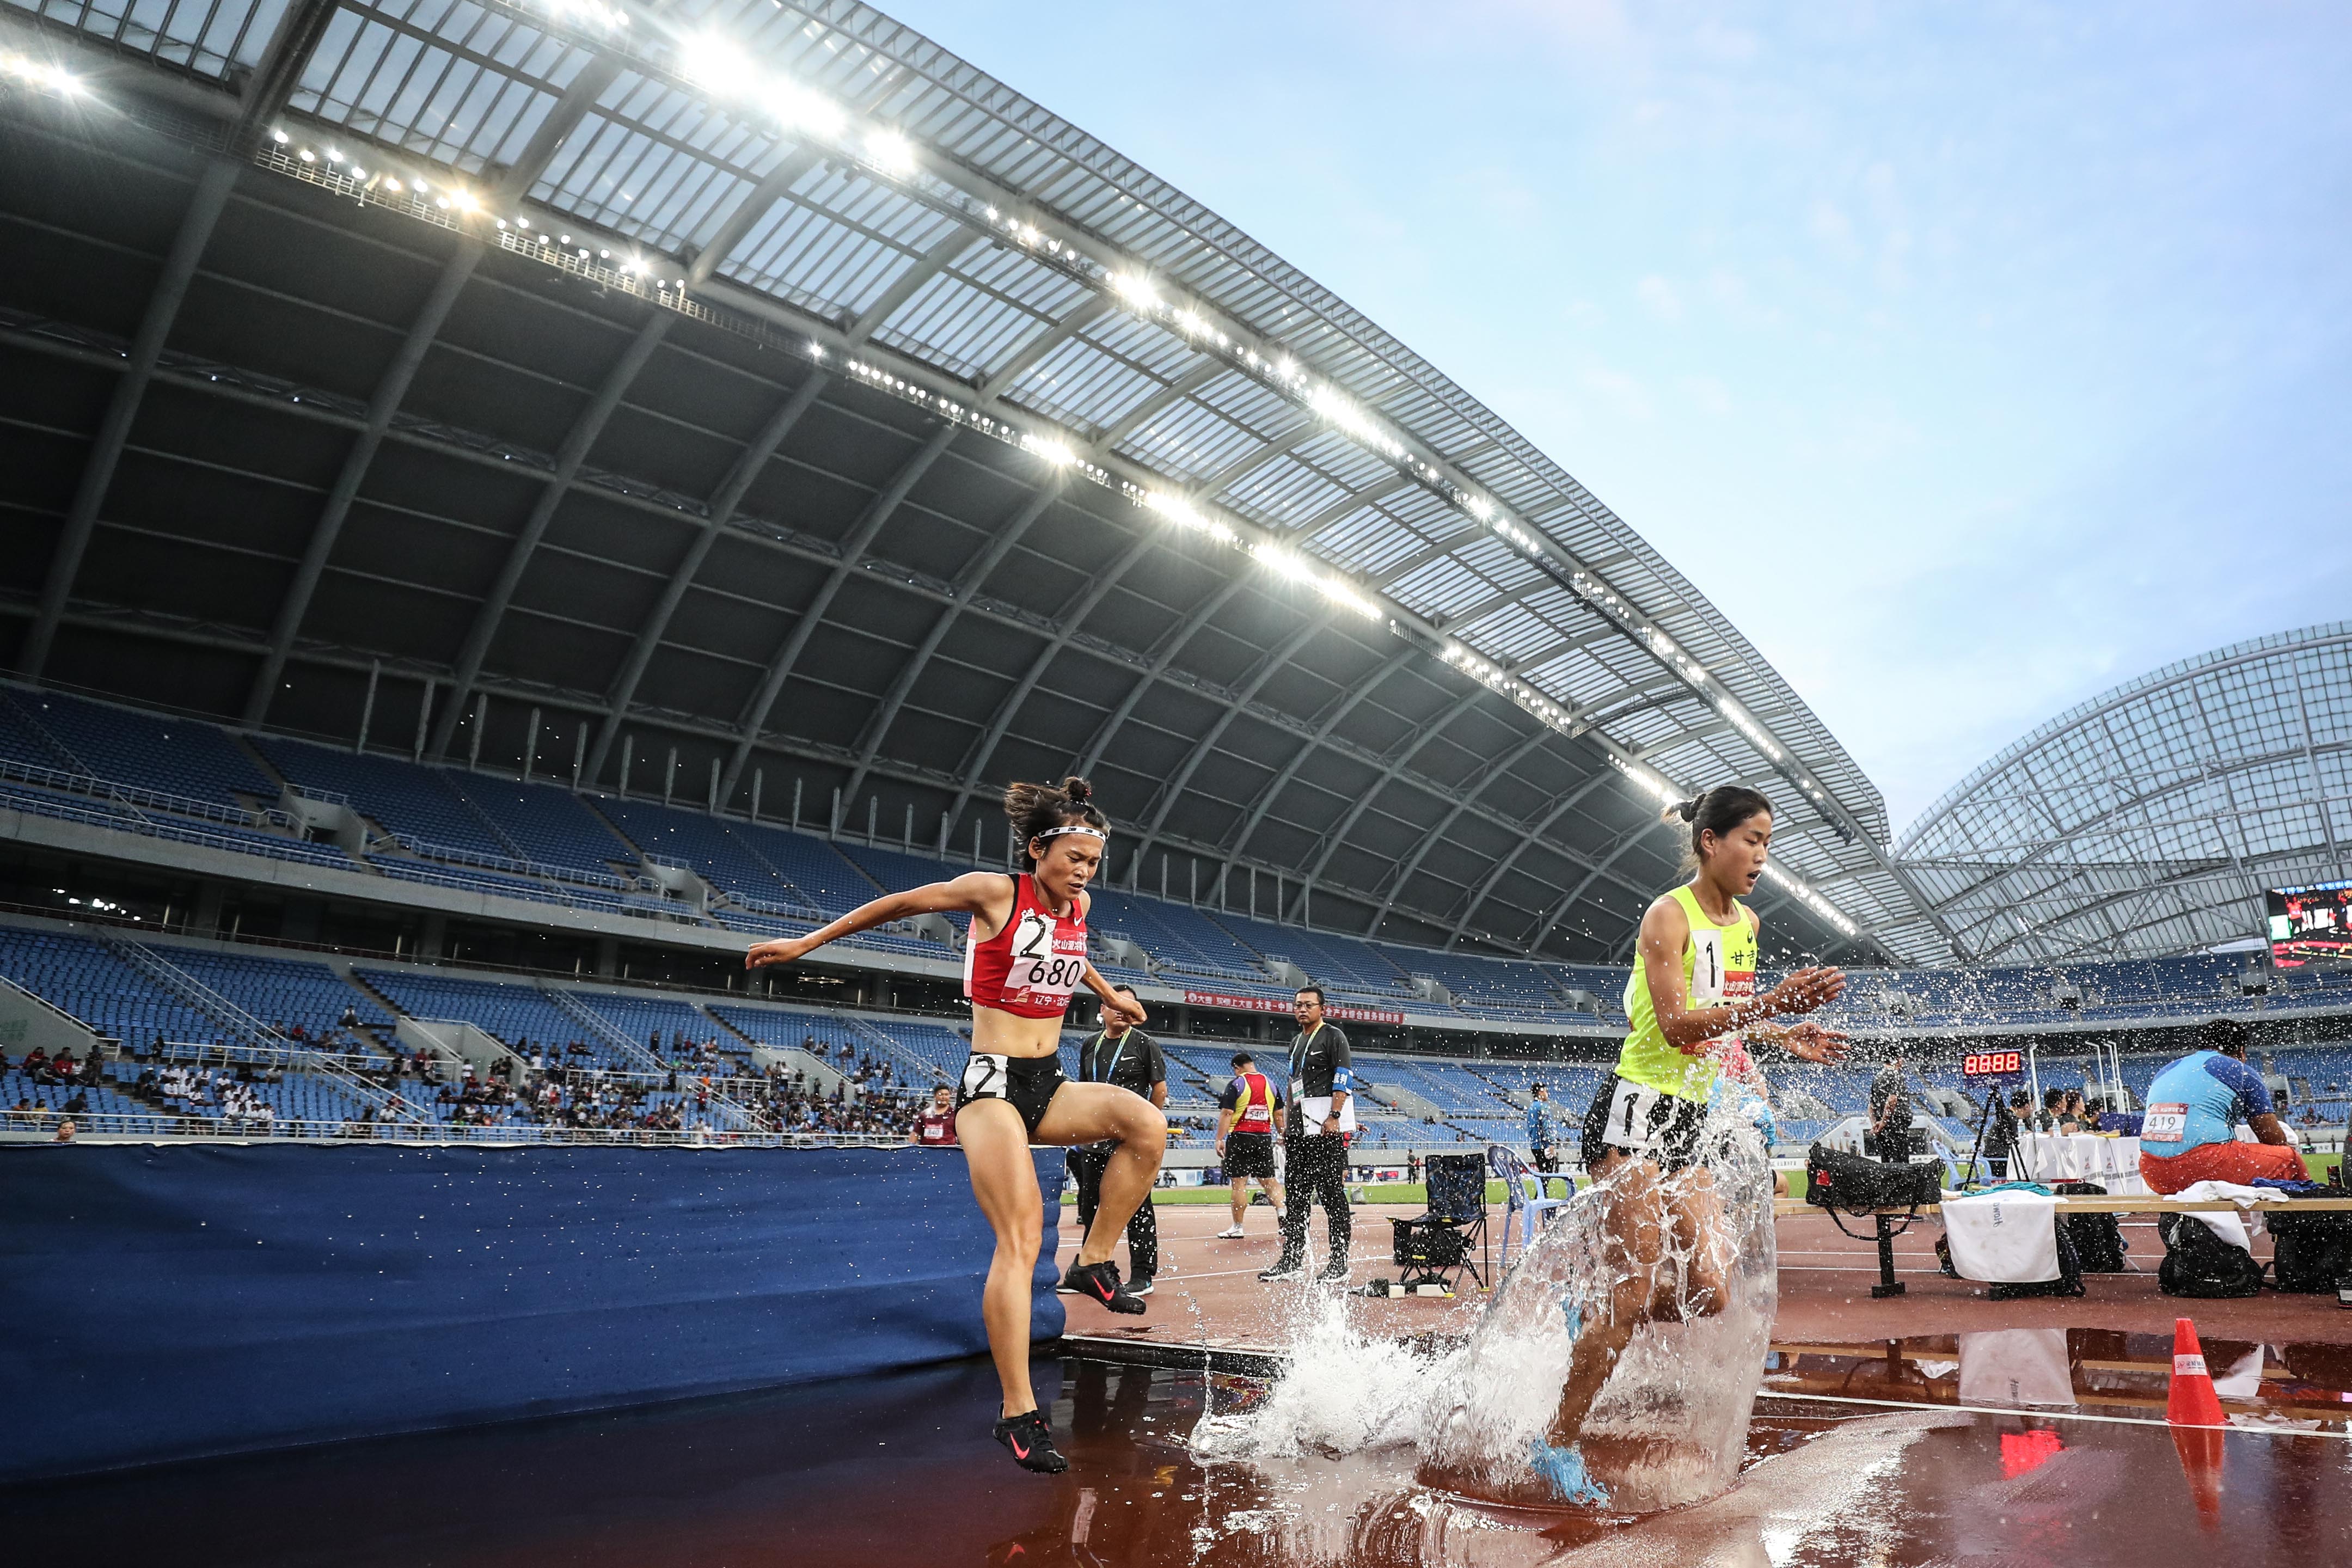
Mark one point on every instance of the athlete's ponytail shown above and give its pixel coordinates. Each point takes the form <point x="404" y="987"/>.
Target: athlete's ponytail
<point x="1038" y="810"/>
<point x="1718" y="811"/>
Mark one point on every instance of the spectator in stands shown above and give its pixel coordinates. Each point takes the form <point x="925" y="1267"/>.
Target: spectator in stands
<point x="1890" y="1135"/>
<point x="1314" y="1141"/>
<point x="65" y="1130"/>
<point x="2192" y="1109"/>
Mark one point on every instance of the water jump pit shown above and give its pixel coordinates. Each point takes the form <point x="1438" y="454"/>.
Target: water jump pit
<point x="1988" y="1435"/>
<point x="894" y="1469"/>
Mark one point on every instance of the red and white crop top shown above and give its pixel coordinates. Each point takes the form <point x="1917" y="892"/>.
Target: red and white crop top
<point x="1033" y="961"/>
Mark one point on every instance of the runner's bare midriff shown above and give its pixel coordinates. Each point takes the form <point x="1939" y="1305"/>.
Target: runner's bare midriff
<point x="995" y="1033"/>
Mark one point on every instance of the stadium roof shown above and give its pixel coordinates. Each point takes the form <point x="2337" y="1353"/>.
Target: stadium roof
<point x="761" y="388"/>
<point x="2149" y="820"/>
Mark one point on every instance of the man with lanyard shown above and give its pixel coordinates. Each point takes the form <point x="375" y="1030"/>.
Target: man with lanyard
<point x="1314" y="1143"/>
<point x="1540" y="1134"/>
<point x="1130" y="1059"/>
<point x="934" y="1126"/>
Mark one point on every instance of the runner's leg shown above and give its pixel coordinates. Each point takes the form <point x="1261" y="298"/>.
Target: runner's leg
<point x="1004" y="1180"/>
<point x="1633" y="1221"/>
<point x="1089" y="1113"/>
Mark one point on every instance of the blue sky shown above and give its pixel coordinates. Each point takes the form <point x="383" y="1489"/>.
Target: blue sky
<point x="1971" y="358"/>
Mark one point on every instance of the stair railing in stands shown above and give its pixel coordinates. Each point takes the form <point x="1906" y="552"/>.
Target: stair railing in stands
<point x="132" y="796"/>
<point x="252" y="1030"/>
<point x="451" y="854"/>
<point x="611" y="1034"/>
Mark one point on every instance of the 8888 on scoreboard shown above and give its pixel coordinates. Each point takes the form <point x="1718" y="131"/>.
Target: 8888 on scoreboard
<point x="1993" y="1064"/>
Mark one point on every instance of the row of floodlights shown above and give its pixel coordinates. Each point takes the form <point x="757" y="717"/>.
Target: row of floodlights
<point x="452" y="197"/>
<point x="41" y="75"/>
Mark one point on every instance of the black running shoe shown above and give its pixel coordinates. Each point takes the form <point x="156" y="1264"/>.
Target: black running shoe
<point x="1139" y="1286"/>
<point x="1098" y="1282"/>
<point x="1335" y="1269"/>
<point x="1286" y="1268"/>
<point x="1030" y="1436"/>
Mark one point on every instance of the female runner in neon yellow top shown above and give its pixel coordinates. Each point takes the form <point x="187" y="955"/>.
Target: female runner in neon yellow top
<point x="1694" y="1010"/>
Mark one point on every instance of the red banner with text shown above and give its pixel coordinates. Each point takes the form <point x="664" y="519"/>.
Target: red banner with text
<point x="1340" y="1011"/>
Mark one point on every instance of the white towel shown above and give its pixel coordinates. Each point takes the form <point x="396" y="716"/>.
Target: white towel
<point x="2238" y="1230"/>
<point x="2003" y="1237"/>
<point x="2017" y="1366"/>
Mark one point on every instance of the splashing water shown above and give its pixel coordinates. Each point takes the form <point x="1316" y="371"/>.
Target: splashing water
<point x="1670" y="1425"/>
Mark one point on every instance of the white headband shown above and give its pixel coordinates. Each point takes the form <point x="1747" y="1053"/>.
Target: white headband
<point x="1075" y="827"/>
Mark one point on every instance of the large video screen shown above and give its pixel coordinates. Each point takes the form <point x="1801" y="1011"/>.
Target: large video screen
<point x="2310" y="924"/>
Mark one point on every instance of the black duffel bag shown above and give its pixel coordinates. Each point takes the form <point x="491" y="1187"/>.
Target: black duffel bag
<point x="2199" y="1263"/>
<point x="1836" y="1180"/>
<point x="2098" y="1239"/>
<point x="2310" y="1252"/>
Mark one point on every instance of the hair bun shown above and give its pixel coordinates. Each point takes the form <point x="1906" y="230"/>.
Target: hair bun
<point x="1682" y="811"/>
<point x="1078" y="791"/>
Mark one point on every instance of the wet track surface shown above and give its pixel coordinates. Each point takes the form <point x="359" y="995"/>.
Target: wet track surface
<point x="900" y="1471"/>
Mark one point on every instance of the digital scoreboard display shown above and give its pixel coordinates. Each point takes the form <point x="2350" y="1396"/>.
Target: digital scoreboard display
<point x="1993" y="1064"/>
<point x="2310" y="924"/>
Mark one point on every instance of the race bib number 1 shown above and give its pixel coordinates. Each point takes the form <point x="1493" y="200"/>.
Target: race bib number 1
<point x="2166" y="1123"/>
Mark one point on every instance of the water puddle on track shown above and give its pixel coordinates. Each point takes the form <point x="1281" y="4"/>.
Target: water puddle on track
<point x="896" y="1470"/>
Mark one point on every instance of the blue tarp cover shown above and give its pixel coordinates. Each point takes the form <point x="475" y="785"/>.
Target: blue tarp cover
<point x="171" y="1302"/>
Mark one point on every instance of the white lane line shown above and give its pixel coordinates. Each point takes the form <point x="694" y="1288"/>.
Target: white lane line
<point x="2040" y="1412"/>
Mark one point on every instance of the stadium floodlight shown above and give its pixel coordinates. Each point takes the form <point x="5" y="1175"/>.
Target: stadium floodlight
<point x="1133" y="288"/>
<point x="797" y="105"/>
<point x="892" y="153"/>
<point x="612" y="19"/>
<point x="1055" y="452"/>
<point x="49" y="78"/>
<point x="714" y="64"/>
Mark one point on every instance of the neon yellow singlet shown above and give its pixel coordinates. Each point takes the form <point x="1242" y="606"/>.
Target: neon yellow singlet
<point x="1719" y="966"/>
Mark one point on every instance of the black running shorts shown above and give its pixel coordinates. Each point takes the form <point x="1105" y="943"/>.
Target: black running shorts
<point x="1649" y="1124"/>
<point x="1249" y="1154"/>
<point x="1025" y="1083"/>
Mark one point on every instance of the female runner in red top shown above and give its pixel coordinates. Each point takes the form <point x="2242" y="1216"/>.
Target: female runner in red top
<point x="1026" y="951"/>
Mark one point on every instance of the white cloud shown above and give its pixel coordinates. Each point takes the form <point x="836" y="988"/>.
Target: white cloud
<point x="1660" y="297"/>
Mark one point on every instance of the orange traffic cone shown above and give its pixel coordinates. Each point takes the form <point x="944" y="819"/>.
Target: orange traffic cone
<point x="2199" y="1427"/>
<point x="2191" y="1401"/>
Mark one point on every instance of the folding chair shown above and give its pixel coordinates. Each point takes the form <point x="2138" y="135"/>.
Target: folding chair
<point x="1523" y="1198"/>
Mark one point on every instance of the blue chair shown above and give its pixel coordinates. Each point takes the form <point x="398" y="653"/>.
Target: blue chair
<point x="1523" y="1199"/>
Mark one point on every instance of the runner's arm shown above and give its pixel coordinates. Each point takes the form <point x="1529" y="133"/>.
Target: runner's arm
<point x="1113" y="999"/>
<point x="1665" y="932"/>
<point x="983" y="895"/>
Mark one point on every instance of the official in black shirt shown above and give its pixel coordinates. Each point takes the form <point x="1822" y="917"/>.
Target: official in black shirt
<point x="1130" y="1059"/>
<point x="1315" y="1156"/>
